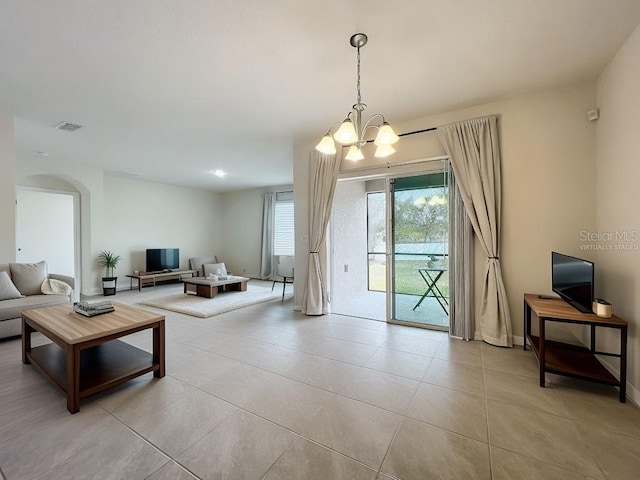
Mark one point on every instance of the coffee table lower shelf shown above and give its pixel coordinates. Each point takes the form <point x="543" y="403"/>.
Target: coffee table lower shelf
<point x="572" y="361"/>
<point x="101" y="367"/>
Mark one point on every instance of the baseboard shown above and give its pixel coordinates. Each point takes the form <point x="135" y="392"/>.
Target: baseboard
<point x="633" y="393"/>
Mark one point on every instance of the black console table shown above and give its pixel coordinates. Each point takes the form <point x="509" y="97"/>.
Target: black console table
<point x="567" y="359"/>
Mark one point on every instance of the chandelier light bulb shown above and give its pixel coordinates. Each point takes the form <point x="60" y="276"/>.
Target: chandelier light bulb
<point x="384" y="151"/>
<point x="386" y="135"/>
<point x="346" y="133"/>
<point x="354" y="153"/>
<point x="326" y="145"/>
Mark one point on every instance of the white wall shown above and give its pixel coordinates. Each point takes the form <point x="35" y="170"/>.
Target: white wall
<point x="140" y="215"/>
<point x="548" y="159"/>
<point x="348" y="243"/>
<point x="618" y="173"/>
<point x="7" y="191"/>
<point x="242" y="229"/>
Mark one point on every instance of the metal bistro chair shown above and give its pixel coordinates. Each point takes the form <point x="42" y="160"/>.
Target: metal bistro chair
<point x="284" y="272"/>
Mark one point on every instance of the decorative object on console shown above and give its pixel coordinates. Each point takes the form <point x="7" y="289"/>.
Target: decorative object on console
<point x="602" y="308"/>
<point x="109" y="261"/>
<point x="351" y="131"/>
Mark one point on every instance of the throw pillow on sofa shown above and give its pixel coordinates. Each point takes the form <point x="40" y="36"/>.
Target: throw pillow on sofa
<point x="8" y="290"/>
<point x="212" y="268"/>
<point x="28" y="277"/>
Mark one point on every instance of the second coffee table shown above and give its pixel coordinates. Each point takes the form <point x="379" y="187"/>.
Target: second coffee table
<point x="205" y="287"/>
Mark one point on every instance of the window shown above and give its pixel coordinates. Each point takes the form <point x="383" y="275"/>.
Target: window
<point x="284" y="237"/>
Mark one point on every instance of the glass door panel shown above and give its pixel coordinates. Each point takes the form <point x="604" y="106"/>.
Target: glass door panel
<point x="419" y="253"/>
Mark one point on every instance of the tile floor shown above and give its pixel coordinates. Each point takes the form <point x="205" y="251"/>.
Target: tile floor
<point x="265" y="393"/>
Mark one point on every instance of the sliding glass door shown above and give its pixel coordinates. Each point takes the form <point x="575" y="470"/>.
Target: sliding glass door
<point x="418" y="266"/>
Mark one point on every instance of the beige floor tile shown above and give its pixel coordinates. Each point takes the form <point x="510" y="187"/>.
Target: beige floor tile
<point x="523" y="391"/>
<point x="413" y="344"/>
<point x="618" y="455"/>
<point x="36" y="450"/>
<point x="307" y="460"/>
<point x="176" y="427"/>
<point x="358" y="334"/>
<point x="323" y="373"/>
<point x="405" y="364"/>
<point x="355" y="429"/>
<point x="507" y="465"/>
<point x="599" y="406"/>
<point x="142" y="396"/>
<point x="510" y="360"/>
<point x="198" y="367"/>
<point x="424" y="333"/>
<point x="460" y="351"/>
<point x="239" y="384"/>
<point x="545" y="437"/>
<point x="242" y="447"/>
<point x="172" y="471"/>
<point x="459" y="412"/>
<point x="383" y="390"/>
<point x="455" y="375"/>
<point x="288" y="403"/>
<point x="420" y="451"/>
<point x="119" y="454"/>
<point x="278" y="359"/>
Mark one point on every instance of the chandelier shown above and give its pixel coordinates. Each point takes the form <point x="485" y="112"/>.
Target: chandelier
<point x="352" y="132"/>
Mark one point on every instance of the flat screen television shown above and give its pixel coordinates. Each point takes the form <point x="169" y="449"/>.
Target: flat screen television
<point x="160" y="259"/>
<point x="572" y="278"/>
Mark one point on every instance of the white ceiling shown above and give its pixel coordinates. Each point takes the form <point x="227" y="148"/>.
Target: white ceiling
<point x="172" y="89"/>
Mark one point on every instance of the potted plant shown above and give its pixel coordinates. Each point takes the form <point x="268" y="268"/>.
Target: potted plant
<point x="109" y="261"/>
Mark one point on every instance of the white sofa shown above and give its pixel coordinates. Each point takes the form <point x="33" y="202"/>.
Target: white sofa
<point x="26" y="278"/>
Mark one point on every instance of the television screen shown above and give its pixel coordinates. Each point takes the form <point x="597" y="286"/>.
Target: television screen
<point x="572" y="279"/>
<point x="159" y="259"/>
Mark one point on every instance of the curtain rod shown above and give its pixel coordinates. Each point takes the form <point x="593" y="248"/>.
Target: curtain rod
<point x="418" y="131"/>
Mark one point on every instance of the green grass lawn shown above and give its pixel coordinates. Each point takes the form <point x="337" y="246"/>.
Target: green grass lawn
<point x="408" y="280"/>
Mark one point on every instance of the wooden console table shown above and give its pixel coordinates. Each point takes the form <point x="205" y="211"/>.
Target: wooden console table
<point x="572" y="360"/>
<point x="153" y="276"/>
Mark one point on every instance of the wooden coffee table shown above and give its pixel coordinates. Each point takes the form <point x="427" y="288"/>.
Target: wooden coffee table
<point x="85" y="357"/>
<point x="210" y="288"/>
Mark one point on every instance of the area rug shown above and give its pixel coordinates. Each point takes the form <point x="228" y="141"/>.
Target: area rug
<point x="208" y="307"/>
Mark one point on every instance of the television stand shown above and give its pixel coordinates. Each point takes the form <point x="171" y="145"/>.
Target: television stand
<point x="572" y="360"/>
<point x="153" y="277"/>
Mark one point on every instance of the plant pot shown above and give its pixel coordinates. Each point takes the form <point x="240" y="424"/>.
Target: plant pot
<point x="109" y="285"/>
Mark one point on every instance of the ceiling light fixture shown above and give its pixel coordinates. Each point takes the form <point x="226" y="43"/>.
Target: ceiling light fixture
<point x="219" y="173"/>
<point x="352" y="132"/>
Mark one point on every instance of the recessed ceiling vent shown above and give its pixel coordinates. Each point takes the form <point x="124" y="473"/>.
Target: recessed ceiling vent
<point x="68" y="126"/>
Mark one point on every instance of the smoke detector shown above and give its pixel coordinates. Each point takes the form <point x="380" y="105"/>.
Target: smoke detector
<point x="68" y="126"/>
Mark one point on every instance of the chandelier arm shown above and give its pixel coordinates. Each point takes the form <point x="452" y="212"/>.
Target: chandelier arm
<point x="368" y="124"/>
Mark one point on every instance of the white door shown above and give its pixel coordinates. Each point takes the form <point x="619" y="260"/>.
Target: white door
<point x="45" y="229"/>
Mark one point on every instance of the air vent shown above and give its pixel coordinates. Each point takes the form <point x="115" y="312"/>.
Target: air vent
<point x="68" y="126"/>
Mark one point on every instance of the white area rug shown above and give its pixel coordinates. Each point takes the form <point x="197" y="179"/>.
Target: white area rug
<point x="208" y="307"/>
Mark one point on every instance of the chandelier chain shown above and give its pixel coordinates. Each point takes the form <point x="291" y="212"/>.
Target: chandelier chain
<point x="359" y="98"/>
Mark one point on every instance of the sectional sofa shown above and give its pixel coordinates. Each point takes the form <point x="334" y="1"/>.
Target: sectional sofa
<point x="29" y="285"/>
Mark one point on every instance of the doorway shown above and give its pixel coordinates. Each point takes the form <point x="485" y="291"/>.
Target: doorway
<point x="46" y="229"/>
<point x="389" y="248"/>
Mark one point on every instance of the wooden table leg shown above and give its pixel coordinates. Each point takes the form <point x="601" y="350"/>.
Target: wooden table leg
<point x="73" y="378"/>
<point x="542" y="350"/>
<point x="159" y="349"/>
<point x="26" y="340"/>
<point x="623" y="364"/>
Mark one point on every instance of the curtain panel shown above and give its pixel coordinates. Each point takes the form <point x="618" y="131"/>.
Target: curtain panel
<point x="323" y="177"/>
<point x="474" y="150"/>
<point x="461" y="312"/>
<point x="268" y="225"/>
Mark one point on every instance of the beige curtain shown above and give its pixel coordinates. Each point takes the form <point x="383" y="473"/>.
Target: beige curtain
<point x="323" y="176"/>
<point x="474" y="150"/>
<point x="461" y="312"/>
<point x="266" y="252"/>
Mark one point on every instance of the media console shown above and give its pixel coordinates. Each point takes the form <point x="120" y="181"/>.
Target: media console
<point x="567" y="359"/>
<point x="153" y="277"/>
